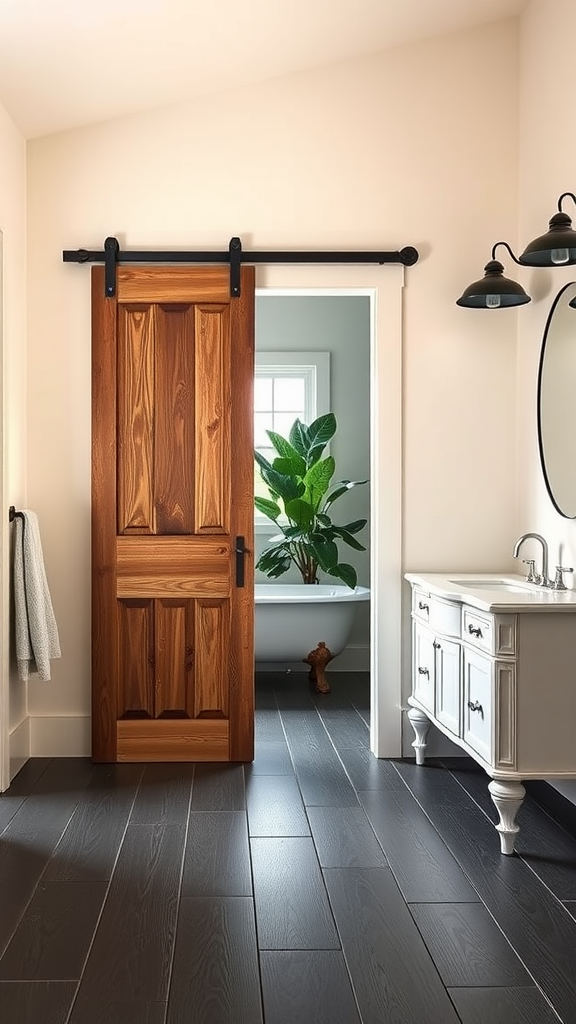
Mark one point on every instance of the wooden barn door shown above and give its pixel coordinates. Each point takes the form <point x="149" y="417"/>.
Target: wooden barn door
<point x="172" y="490"/>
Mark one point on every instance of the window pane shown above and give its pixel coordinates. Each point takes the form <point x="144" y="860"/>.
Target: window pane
<point x="289" y="393"/>
<point x="283" y="421"/>
<point x="262" y="394"/>
<point x="262" y="422"/>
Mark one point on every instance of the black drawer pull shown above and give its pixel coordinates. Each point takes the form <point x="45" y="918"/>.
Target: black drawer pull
<point x="475" y="630"/>
<point x="424" y="672"/>
<point x="423" y="607"/>
<point x="476" y="706"/>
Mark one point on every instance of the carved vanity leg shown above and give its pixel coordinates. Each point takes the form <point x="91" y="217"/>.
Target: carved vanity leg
<point x="421" y="724"/>
<point x="507" y="797"/>
<point x="318" y="659"/>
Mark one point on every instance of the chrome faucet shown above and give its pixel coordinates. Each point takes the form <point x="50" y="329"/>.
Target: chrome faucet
<point x="541" y="578"/>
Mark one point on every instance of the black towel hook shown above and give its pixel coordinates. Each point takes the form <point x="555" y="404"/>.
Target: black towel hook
<point x="12" y="514"/>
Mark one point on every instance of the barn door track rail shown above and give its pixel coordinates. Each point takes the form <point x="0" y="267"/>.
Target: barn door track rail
<point x="111" y="255"/>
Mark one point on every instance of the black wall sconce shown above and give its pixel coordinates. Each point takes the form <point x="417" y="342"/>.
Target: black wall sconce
<point x="555" y="248"/>
<point x="494" y="290"/>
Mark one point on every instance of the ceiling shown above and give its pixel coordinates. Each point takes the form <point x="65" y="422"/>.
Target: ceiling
<point x="67" y="63"/>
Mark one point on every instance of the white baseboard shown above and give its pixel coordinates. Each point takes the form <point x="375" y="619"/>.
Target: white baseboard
<point x="68" y="736"/>
<point x="19" y="746"/>
<point x="355" y="658"/>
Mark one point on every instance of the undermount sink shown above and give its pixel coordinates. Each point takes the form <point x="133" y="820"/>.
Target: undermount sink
<point x="492" y="584"/>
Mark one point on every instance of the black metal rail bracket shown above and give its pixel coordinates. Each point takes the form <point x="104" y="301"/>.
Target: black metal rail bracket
<point x="235" y="256"/>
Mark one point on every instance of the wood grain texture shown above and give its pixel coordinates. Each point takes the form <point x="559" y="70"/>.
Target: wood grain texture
<point x="467" y="946"/>
<point x="131" y="954"/>
<point x="393" y="974"/>
<point x="136" y="418"/>
<point x="172" y="284"/>
<point x="304" y="987"/>
<point x="103" y="532"/>
<point x="343" y="838"/>
<point x="175" y="412"/>
<point x="163" y="795"/>
<point x="213" y="400"/>
<point x="173" y="566"/>
<point x="23" y="858"/>
<point x="89" y="846"/>
<point x="366" y="771"/>
<point x="135" y="693"/>
<point x="502" y="1006"/>
<point x="215" y="971"/>
<point x="218" y="787"/>
<point x="423" y="867"/>
<point x="319" y="771"/>
<point x="170" y="739"/>
<point x="212" y="633"/>
<point x="174" y="657"/>
<point x="36" y="1002"/>
<point x="292" y="909"/>
<point x="53" y="937"/>
<point x="241" y="663"/>
<point x="525" y="910"/>
<point x="184" y="495"/>
<point x="345" y="727"/>
<point x="271" y="758"/>
<point x="217" y="856"/>
<point x="275" y="807"/>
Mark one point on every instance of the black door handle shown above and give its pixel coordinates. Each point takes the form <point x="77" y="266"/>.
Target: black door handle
<point x="241" y="550"/>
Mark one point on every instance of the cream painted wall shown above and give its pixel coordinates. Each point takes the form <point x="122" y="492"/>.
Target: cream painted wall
<point x="399" y="149"/>
<point x="547" y="169"/>
<point x="12" y="415"/>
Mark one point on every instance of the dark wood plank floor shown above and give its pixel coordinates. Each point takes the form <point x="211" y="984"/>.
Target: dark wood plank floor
<point x="316" y="886"/>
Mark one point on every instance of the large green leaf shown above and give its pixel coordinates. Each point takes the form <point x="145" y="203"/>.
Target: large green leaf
<point x="287" y="452"/>
<point x="317" y="481"/>
<point x="300" y="512"/>
<point x="320" y="432"/>
<point x="356" y="526"/>
<point x="288" y="467"/>
<point x="326" y="554"/>
<point x="267" y="507"/>
<point x="299" y="438"/>
<point x="349" y="539"/>
<point x="346" y="485"/>
<point x="286" y="487"/>
<point x="346" y="573"/>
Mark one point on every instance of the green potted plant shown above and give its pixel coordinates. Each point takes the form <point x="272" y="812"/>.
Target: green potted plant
<point x="302" y="494"/>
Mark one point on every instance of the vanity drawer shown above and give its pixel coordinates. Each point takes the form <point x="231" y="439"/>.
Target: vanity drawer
<point x="420" y="605"/>
<point x="443" y="616"/>
<point x="495" y="634"/>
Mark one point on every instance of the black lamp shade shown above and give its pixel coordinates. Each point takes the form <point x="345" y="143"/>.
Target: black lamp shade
<point x="556" y="248"/>
<point x="494" y="290"/>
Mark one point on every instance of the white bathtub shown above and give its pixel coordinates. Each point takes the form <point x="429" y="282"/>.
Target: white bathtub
<point x="291" y="619"/>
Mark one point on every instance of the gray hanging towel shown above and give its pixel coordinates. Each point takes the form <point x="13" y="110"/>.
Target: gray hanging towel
<point x="37" y="639"/>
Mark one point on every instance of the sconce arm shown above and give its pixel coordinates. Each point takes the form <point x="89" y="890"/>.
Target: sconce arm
<point x="564" y="196"/>
<point x="505" y="244"/>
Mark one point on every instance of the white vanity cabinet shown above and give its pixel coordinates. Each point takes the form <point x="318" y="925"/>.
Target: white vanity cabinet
<point x="495" y="671"/>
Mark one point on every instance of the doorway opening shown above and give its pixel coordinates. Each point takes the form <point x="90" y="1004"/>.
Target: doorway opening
<point x="380" y="294"/>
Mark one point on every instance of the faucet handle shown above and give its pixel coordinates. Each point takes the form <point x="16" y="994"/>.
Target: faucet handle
<point x="559" y="579"/>
<point x="531" y="576"/>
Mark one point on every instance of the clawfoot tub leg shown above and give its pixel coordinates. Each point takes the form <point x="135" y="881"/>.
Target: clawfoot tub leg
<point x="318" y="659"/>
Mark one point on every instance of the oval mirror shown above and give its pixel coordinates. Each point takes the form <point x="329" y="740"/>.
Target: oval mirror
<point x="556" y="405"/>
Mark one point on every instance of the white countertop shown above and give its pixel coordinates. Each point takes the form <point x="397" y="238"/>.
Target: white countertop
<point x="474" y="588"/>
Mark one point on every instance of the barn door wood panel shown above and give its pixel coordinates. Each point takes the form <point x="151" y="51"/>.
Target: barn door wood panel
<point x="172" y="489"/>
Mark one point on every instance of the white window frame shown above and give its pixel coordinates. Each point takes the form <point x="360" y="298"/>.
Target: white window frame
<point x="315" y="368"/>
